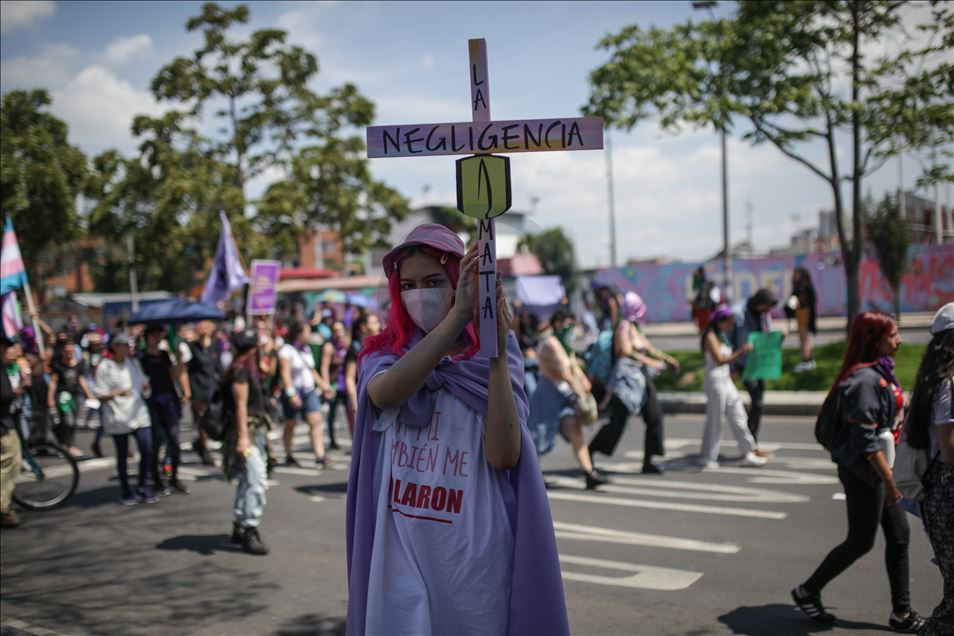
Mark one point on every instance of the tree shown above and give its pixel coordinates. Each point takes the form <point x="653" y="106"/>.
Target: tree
<point x="556" y="255"/>
<point x="167" y="198"/>
<point x="795" y="73"/>
<point x="889" y="234"/>
<point x="330" y="186"/>
<point x="256" y="91"/>
<point x="41" y="175"/>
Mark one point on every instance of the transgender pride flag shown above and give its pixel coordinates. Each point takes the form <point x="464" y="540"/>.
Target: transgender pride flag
<point x="12" y="272"/>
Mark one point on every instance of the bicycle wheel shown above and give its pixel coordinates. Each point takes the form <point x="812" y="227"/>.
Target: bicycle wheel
<point x="49" y="476"/>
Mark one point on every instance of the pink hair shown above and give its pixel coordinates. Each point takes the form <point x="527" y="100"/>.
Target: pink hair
<point x="400" y="327"/>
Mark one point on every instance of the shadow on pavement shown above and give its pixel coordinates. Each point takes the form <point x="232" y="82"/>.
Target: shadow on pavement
<point x="784" y="620"/>
<point x="311" y="624"/>
<point x="338" y="488"/>
<point x="206" y="545"/>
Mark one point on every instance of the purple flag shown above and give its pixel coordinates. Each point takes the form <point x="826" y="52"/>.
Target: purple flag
<point x="227" y="274"/>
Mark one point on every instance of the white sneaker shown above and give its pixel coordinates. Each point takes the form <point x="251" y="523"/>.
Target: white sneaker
<point x="751" y="459"/>
<point x="703" y="464"/>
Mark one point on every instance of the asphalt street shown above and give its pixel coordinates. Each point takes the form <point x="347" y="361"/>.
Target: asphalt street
<point x="688" y="552"/>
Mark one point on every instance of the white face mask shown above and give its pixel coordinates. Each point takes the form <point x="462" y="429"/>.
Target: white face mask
<point x="427" y="307"/>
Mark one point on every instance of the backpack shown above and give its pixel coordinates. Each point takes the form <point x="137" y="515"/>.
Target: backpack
<point x="218" y="417"/>
<point x="599" y="357"/>
<point x="830" y="430"/>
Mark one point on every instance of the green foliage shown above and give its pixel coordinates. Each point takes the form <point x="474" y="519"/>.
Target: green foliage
<point x="791" y="73"/>
<point x="41" y="175"/>
<point x="828" y="359"/>
<point x="451" y="217"/>
<point x="555" y="252"/>
<point x="889" y="234"/>
<point x="330" y="185"/>
<point x="256" y="91"/>
<point x="167" y="198"/>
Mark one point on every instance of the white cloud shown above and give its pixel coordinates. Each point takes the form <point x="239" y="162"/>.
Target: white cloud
<point x="125" y="50"/>
<point x="428" y="61"/>
<point x="15" y="14"/>
<point x="99" y="108"/>
<point x="50" y="69"/>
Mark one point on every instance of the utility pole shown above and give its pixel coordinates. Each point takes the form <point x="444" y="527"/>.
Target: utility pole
<point x="133" y="282"/>
<point x="938" y="219"/>
<point x="726" y="243"/>
<point x="612" y="202"/>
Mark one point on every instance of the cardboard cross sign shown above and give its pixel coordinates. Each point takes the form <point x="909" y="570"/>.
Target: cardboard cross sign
<point x="483" y="180"/>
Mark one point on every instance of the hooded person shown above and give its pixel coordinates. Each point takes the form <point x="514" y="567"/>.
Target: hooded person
<point x="448" y="524"/>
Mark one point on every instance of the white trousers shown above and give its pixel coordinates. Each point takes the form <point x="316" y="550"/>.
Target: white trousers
<point x="724" y="401"/>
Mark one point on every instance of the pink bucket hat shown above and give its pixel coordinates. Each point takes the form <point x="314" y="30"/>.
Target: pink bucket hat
<point x="633" y="307"/>
<point x="430" y="234"/>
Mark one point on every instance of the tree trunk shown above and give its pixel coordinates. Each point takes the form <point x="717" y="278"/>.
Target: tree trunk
<point x="854" y="305"/>
<point x="897" y="303"/>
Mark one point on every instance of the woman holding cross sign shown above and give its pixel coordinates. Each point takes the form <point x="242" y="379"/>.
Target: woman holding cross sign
<point x="449" y="529"/>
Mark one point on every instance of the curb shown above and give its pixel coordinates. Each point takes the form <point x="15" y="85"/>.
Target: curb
<point x="804" y="403"/>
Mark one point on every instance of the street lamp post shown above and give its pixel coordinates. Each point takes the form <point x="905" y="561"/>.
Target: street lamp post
<point x="726" y="244"/>
<point x="612" y="202"/>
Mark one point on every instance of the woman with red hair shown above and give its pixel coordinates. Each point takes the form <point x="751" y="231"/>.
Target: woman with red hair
<point x="448" y="524"/>
<point x="871" y="404"/>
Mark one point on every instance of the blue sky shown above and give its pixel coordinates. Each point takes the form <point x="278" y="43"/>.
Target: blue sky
<point x="410" y="58"/>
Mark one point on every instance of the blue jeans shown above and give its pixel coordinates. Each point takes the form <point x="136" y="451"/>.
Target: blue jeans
<point x="144" y="441"/>
<point x="250" y="493"/>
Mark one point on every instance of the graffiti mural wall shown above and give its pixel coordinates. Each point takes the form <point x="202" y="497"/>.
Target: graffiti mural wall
<point x="667" y="289"/>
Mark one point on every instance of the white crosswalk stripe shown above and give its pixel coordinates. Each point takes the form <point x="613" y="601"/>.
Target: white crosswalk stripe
<point x="795" y="465"/>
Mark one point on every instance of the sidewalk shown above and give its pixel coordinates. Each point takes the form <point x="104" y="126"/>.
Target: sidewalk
<point x="776" y="402"/>
<point x="829" y="323"/>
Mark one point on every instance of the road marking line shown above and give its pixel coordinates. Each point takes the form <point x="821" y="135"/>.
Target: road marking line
<point x="677" y="443"/>
<point x="658" y="505"/>
<point x="646" y="577"/>
<point x="709" y="492"/>
<point x="577" y="532"/>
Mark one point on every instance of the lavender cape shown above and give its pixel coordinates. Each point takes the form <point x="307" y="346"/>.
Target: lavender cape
<point x="537" y="605"/>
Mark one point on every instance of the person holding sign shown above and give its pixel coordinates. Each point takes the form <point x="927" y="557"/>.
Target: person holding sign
<point x="753" y="317"/>
<point x="448" y="525"/>
<point x="723" y="399"/>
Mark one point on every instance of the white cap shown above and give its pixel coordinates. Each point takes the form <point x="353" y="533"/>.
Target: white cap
<point x="943" y="319"/>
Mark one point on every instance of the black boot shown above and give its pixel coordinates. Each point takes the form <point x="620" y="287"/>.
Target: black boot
<point x="252" y="542"/>
<point x="594" y="479"/>
<point x="236" y="538"/>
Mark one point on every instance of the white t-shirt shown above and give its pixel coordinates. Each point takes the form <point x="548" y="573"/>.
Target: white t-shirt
<point x="185" y="352"/>
<point x="443" y="545"/>
<point x="125" y="413"/>
<point x="942" y="413"/>
<point x="302" y="365"/>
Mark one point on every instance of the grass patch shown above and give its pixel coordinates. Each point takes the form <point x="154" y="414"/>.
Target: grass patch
<point x="828" y="360"/>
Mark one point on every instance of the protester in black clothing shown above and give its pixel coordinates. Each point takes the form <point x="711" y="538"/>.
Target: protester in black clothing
<point x="204" y="370"/>
<point x="751" y="317"/>
<point x="871" y="406"/>
<point x="245" y="448"/>
<point x="930" y="427"/>
<point x="801" y="306"/>
<point x="164" y="407"/>
<point x="67" y="386"/>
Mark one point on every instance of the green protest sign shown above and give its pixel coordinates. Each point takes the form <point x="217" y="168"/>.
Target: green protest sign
<point x="765" y="360"/>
